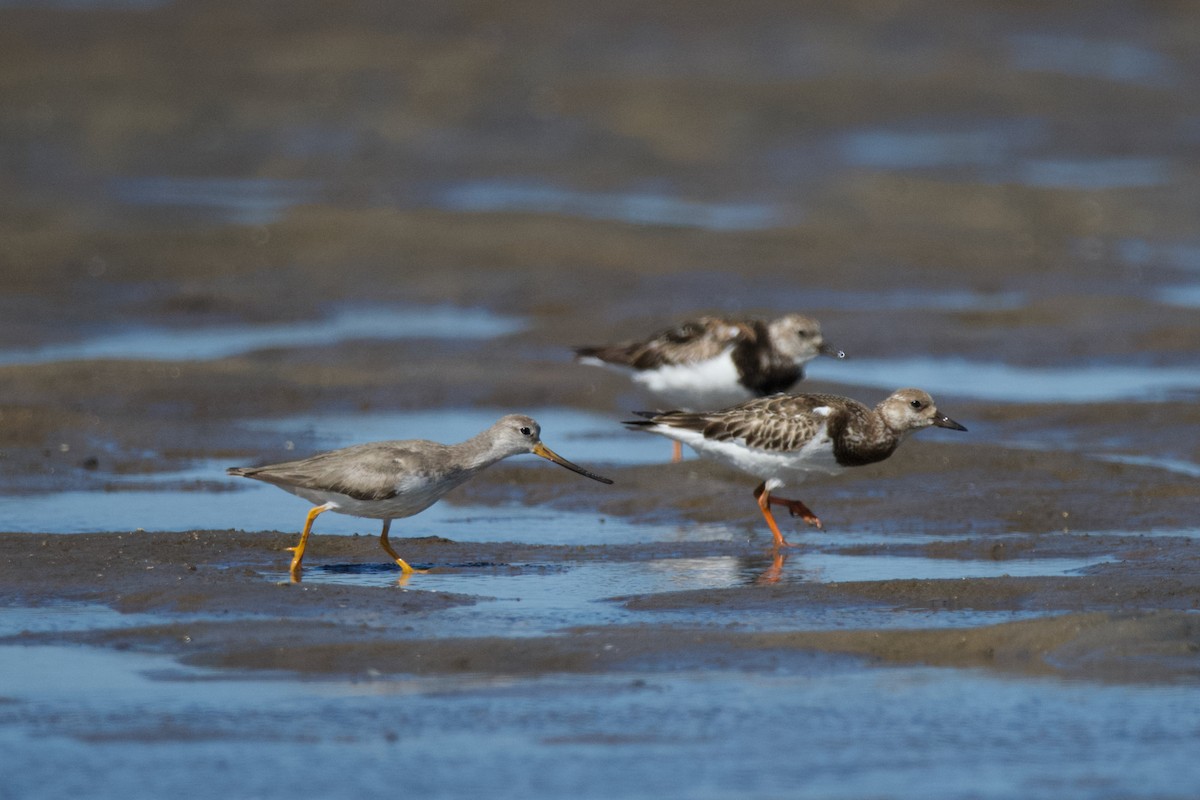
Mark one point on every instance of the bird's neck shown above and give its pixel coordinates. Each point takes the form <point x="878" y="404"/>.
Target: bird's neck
<point x="478" y="452"/>
<point x="865" y="438"/>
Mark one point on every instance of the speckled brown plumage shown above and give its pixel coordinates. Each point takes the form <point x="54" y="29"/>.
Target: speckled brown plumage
<point x="783" y="438"/>
<point x="710" y="361"/>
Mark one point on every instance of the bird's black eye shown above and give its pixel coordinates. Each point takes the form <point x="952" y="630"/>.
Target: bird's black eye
<point x="525" y="430"/>
<point x="802" y="333"/>
<point x="916" y="404"/>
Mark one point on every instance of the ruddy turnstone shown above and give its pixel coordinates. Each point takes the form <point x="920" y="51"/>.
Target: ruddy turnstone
<point x="396" y="479"/>
<point x="784" y="438"/>
<point x="710" y="362"/>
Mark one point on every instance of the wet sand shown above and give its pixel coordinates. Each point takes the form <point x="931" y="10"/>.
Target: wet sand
<point x="1004" y="193"/>
<point x="1120" y="621"/>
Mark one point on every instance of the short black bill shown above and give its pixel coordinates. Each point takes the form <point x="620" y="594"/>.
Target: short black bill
<point x="545" y="452"/>
<point x="942" y="421"/>
<point x="831" y="351"/>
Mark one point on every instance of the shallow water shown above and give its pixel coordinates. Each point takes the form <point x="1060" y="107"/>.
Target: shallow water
<point x="643" y="208"/>
<point x="1113" y="60"/>
<point x="595" y="581"/>
<point x="588" y="168"/>
<point x="1011" y="383"/>
<point x="65" y="616"/>
<point x="129" y="725"/>
<point x="1112" y="447"/>
<point x="245" y="201"/>
<point x="998" y="151"/>
<point x="223" y="341"/>
<point x="1096" y="174"/>
<point x="537" y="599"/>
<point x="990" y="144"/>
<point x="1175" y="255"/>
<point x="1184" y="295"/>
<point x="1176" y="465"/>
<point x="262" y="507"/>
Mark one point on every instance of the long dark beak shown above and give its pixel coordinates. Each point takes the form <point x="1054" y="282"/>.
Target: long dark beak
<point x="942" y="421"/>
<point x="829" y="350"/>
<point x="540" y="449"/>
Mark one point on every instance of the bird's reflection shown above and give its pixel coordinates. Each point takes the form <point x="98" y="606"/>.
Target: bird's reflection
<point x="773" y="573"/>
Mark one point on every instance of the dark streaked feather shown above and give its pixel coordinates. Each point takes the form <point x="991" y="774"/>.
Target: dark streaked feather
<point x="689" y="342"/>
<point x="779" y="423"/>
<point x="761" y="368"/>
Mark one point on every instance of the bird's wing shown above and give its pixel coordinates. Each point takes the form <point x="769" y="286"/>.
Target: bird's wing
<point x="689" y="342"/>
<point x="364" y="472"/>
<point x="779" y="423"/>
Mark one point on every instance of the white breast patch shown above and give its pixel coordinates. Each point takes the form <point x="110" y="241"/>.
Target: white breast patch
<point x="702" y="386"/>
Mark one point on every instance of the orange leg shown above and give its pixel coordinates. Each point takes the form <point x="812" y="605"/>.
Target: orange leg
<point x="677" y="452"/>
<point x="764" y="505"/>
<point x="405" y="569"/>
<point x="298" y="550"/>
<point x="798" y="509"/>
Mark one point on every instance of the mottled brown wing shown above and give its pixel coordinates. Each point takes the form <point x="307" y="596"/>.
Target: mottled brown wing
<point x="689" y="342"/>
<point x="780" y="423"/>
<point x="364" y="472"/>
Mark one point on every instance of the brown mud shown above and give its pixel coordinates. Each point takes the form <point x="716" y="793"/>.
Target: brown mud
<point x="997" y="184"/>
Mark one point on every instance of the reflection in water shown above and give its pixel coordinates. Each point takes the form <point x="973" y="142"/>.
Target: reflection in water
<point x="590" y="581"/>
<point x="223" y="341"/>
<point x="534" y="599"/>
<point x="633" y="207"/>
<point x="838" y="568"/>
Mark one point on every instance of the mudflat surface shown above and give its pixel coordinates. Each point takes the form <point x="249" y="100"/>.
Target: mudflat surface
<point x="238" y="233"/>
<point x="1121" y="621"/>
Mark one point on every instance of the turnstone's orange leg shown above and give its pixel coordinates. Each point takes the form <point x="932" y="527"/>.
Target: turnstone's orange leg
<point x="298" y="550"/>
<point x="404" y="567"/>
<point x="676" y="452"/>
<point x="764" y="505"/>
<point x="798" y="509"/>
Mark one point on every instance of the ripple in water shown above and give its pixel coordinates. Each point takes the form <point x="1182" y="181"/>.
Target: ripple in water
<point x="1010" y="383"/>
<point x="224" y="341"/>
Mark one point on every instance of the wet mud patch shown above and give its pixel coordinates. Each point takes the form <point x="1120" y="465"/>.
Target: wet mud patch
<point x="1138" y="647"/>
<point x="213" y="592"/>
<point x="991" y="200"/>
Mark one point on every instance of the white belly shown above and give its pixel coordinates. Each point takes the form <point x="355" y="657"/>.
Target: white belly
<point x="781" y="468"/>
<point x="703" y="386"/>
<point x="414" y="495"/>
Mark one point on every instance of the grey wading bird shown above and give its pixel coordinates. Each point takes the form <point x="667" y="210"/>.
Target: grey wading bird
<point x="396" y="479"/>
